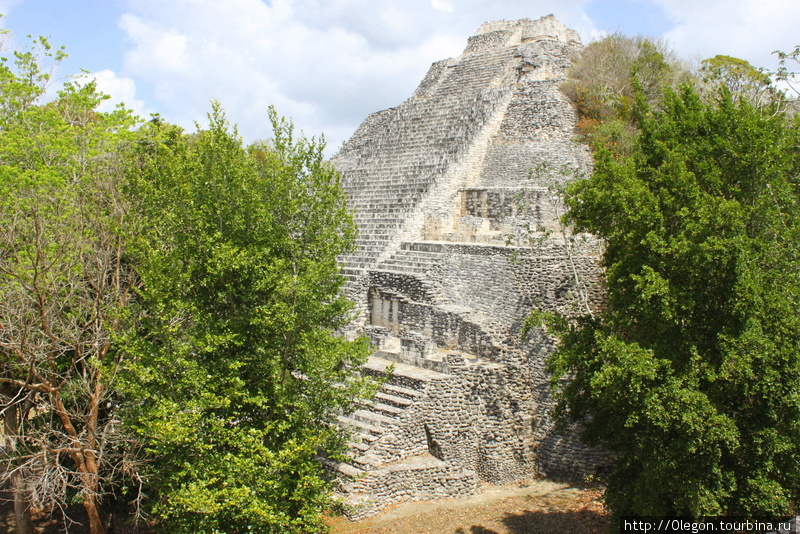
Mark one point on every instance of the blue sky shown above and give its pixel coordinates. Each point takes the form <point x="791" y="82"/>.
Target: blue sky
<point x="631" y="17"/>
<point x="328" y="63"/>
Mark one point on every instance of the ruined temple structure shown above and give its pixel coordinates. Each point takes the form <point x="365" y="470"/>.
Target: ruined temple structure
<point x="458" y="240"/>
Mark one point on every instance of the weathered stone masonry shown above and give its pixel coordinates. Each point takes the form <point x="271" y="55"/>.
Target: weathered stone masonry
<point x="441" y="277"/>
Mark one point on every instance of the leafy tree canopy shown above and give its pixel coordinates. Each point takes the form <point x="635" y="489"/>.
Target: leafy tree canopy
<point x="603" y="81"/>
<point x="64" y="292"/>
<point x="168" y="303"/>
<point x="741" y="78"/>
<point x="238" y="376"/>
<point x="690" y="374"/>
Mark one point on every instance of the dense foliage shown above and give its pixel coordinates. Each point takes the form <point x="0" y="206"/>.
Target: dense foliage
<point x="603" y="82"/>
<point x="63" y="289"/>
<point x="238" y="376"/>
<point x="690" y="374"/>
<point x="740" y="78"/>
<point x="168" y="303"/>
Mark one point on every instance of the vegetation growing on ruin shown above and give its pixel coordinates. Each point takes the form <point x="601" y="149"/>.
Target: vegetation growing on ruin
<point x="604" y="80"/>
<point x="606" y="77"/>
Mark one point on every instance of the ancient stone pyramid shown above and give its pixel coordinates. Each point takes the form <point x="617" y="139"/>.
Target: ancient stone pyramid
<point x="458" y="239"/>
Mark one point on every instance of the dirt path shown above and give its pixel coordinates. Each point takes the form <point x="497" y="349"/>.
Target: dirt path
<point x="538" y="506"/>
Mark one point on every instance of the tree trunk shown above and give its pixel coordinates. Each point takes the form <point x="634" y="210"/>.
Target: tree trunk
<point x="91" y="484"/>
<point x="92" y="476"/>
<point x="85" y="462"/>
<point x="22" y="505"/>
<point x="92" y="508"/>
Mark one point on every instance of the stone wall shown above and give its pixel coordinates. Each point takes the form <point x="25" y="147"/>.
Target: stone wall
<point x="457" y="241"/>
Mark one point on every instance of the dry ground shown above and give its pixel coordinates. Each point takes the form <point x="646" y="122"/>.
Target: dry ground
<point x="537" y="506"/>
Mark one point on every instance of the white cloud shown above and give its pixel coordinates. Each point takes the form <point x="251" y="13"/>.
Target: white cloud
<point x="327" y="64"/>
<point x="7" y="5"/>
<point x="442" y="5"/>
<point x="156" y="50"/>
<point x="749" y="29"/>
<point x="121" y="90"/>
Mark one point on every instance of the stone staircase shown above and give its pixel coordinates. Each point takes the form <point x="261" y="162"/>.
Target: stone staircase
<point x="382" y="458"/>
<point x="411" y="262"/>
<point x="434" y="184"/>
<point x="411" y="478"/>
<point x="399" y="155"/>
<point x="416" y="268"/>
<point x="381" y="416"/>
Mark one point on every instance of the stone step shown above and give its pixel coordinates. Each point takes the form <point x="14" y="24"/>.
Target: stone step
<point x="367" y="242"/>
<point x="369" y="234"/>
<point x="361" y="255"/>
<point x="433" y="364"/>
<point x="402" y="392"/>
<point x="369" y="251"/>
<point x="373" y="236"/>
<point x="366" y="438"/>
<point x="395" y="196"/>
<point x="389" y="193"/>
<point x="352" y="274"/>
<point x="407" y="376"/>
<point x="419" y="477"/>
<point x="414" y="175"/>
<point x="363" y="427"/>
<point x="365" y="462"/>
<point x="423" y="246"/>
<point x="359" y="263"/>
<point x="405" y="269"/>
<point x="398" y="269"/>
<point x="367" y="238"/>
<point x="388" y="410"/>
<point x="396" y="400"/>
<point x="378" y="205"/>
<point x="367" y="227"/>
<point x="342" y="468"/>
<point x="373" y="418"/>
<point x="410" y="262"/>
<point x="417" y="254"/>
<point x="415" y="261"/>
<point x="360" y="446"/>
<point x="386" y="201"/>
<point x="383" y="222"/>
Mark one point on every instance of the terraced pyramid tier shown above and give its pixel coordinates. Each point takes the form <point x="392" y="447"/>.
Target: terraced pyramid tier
<point x="458" y="240"/>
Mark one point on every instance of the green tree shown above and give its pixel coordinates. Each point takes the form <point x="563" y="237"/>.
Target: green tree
<point x="740" y="78"/>
<point x="603" y="80"/>
<point x="63" y="290"/>
<point x="788" y="77"/>
<point x="690" y="373"/>
<point x="238" y="375"/>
